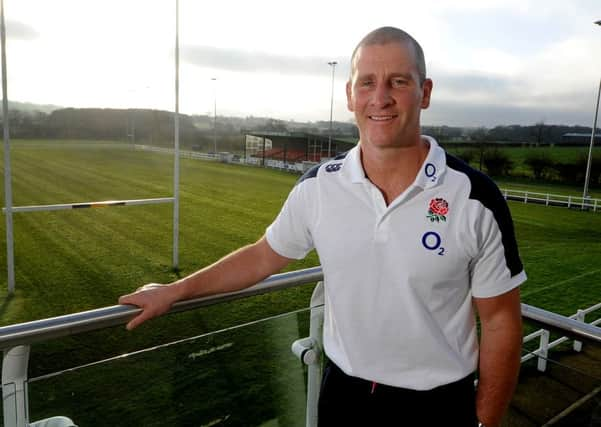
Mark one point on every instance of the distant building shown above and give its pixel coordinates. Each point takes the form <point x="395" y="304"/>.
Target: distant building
<point x="292" y="150"/>
<point x="579" y="138"/>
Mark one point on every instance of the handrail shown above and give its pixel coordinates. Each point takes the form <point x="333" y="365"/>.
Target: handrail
<point x="91" y="320"/>
<point x="564" y="324"/>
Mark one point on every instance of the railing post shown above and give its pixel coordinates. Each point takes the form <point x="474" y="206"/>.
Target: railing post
<point x="526" y="197"/>
<point x="14" y="386"/>
<point x="580" y="317"/>
<point x="547" y="202"/>
<point x="569" y="201"/>
<point x="309" y="351"/>
<point x="316" y="334"/>
<point x="543" y="351"/>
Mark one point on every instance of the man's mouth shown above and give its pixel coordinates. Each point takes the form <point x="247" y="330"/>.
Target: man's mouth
<point x="381" y="118"/>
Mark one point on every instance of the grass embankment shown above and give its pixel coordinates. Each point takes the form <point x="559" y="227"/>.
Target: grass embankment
<point x="75" y="260"/>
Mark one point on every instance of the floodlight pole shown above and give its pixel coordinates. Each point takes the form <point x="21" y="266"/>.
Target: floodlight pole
<point x="587" y="177"/>
<point x="333" y="65"/>
<point x="8" y="196"/>
<point x="214" y="79"/>
<point x="176" y="147"/>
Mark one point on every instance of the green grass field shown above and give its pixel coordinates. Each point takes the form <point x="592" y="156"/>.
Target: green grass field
<point x="68" y="261"/>
<point x="80" y="259"/>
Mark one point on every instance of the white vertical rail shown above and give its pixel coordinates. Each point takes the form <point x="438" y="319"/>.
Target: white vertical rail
<point x="543" y="352"/>
<point x="14" y="386"/>
<point x="176" y="150"/>
<point x="314" y="370"/>
<point x="580" y="316"/>
<point x="8" y="196"/>
<point x="585" y="194"/>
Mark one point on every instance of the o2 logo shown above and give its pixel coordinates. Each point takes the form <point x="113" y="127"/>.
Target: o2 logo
<point x="432" y="241"/>
<point x="430" y="171"/>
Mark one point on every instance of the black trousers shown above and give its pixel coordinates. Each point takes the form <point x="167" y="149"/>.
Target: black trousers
<point x="349" y="401"/>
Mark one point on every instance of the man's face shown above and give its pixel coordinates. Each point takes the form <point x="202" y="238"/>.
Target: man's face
<point x="386" y="96"/>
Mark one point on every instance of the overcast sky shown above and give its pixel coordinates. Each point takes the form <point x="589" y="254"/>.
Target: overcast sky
<point x="492" y="61"/>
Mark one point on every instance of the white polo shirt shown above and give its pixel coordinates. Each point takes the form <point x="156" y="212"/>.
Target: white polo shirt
<point x="399" y="279"/>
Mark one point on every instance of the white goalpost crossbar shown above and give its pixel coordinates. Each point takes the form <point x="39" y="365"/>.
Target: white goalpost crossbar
<point x="9" y="209"/>
<point x="102" y="204"/>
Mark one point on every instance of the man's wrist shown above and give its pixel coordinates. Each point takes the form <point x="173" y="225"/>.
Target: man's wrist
<point x="179" y="290"/>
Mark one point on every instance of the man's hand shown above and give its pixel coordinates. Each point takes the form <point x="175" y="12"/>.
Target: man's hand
<point x="236" y="271"/>
<point x="154" y="299"/>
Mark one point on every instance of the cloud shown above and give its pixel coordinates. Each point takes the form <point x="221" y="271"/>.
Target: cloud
<point x="17" y="30"/>
<point x="478" y="99"/>
<point x="471" y="83"/>
<point x="240" y="60"/>
<point x="458" y="113"/>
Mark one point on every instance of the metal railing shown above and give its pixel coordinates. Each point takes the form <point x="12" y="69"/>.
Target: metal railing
<point x="16" y="339"/>
<point x="552" y="199"/>
<point x="71" y="324"/>
<point x="544" y="335"/>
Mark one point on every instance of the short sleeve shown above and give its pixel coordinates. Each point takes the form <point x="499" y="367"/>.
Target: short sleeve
<point x="289" y="235"/>
<point x="497" y="267"/>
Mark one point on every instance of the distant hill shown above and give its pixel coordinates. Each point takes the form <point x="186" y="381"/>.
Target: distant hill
<point x="133" y="125"/>
<point x="28" y="106"/>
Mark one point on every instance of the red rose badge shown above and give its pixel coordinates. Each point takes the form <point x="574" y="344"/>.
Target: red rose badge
<point x="438" y="209"/>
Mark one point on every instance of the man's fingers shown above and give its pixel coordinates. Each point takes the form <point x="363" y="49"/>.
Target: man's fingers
<point x="150" y="299"/>
<point x="135" y="322"/>
<point x="125" y="299"/>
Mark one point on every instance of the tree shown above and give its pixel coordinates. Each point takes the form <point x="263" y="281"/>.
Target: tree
<point x="497" y="162"/>
<point x="540" y="163"/>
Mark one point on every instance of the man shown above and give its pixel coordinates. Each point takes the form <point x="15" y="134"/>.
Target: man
<point x="410" y="240"/>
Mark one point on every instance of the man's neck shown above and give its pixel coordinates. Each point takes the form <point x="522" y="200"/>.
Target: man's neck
<point x="393" y="169"/>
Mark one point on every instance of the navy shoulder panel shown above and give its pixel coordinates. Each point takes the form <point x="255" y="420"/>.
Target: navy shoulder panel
<point x="341" y="156"/>
<point x="312" y="173"/>
<point x="486" y="192"/>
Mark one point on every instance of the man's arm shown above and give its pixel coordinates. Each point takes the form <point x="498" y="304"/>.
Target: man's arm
<point x="238" y="270"/>
<point x="500" y="351"/>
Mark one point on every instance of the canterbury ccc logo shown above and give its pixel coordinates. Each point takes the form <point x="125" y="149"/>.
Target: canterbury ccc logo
<point x="334" y="167"/>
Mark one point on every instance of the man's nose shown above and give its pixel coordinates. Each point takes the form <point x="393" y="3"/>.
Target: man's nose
<point x="381" y="96"/>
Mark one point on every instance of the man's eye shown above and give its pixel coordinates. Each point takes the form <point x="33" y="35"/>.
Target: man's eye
<point x="367" y="83"/>
<point x="399" y="82"/>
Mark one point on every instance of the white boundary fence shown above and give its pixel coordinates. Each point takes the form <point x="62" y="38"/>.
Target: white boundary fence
<point x="552" y="199"/>
<point x="509" y="194"/>
<point x="543" y="335"/>
<point x="299" y="167"/>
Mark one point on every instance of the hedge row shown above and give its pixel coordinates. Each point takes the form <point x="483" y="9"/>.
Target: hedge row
<point x="497" y="163"/>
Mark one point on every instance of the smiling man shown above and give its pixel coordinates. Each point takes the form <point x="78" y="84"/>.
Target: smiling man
<point x="412" y="242"/>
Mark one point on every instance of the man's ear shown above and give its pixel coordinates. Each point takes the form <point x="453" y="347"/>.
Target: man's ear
<point x="426" y="93"/>
<point x="349" y="96"/>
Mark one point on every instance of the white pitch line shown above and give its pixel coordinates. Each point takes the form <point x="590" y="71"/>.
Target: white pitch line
<point x="554" y="285"/>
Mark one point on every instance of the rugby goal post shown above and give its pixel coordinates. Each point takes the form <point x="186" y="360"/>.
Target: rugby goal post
<point x="9" y="209"/>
